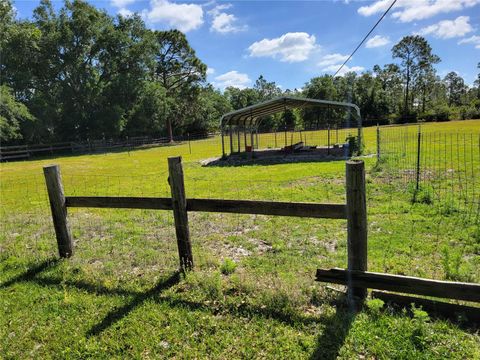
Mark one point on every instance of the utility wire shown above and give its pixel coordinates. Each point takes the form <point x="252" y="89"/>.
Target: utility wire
<point x="366" y="36"/>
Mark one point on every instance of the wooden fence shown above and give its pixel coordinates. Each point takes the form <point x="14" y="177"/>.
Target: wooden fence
<point x="18" y="152"/>
<point x="356" y="276"/>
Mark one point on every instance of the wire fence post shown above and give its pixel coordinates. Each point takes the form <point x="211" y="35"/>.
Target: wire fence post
<point x="328" y="141"/>
<point x="356" y="224"/>
<point x="189" y="145"/>
<point x="378" y="143"/>
<point x="417" y="172"/>
<point x="56" y="197"/>
<point x="275" y="138"/>
<point x="179" y="204"/>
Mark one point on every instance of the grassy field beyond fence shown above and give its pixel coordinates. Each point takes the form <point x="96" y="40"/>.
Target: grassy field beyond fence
<point x="252" y="294"/>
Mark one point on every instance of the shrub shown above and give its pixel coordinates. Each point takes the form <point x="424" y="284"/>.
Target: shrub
<point x="374" y="306"/>
<point x="228" y="267"/>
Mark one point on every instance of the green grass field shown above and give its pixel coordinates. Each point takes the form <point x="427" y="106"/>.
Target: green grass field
<point x="252" y="294"/>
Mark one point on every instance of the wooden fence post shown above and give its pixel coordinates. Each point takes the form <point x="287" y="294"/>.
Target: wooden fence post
<point x="356" y="223"/>
<point x="179" y="204"/>
<point x="59" y="210"/>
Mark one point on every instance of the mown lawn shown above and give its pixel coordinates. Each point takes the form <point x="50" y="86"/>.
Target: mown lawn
<point x="252" y="294"/>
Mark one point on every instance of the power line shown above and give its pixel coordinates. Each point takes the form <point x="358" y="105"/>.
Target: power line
<point x="366" y="36"/>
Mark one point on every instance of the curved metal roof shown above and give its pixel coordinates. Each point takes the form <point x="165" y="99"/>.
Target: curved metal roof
<point x="250" y="115"/>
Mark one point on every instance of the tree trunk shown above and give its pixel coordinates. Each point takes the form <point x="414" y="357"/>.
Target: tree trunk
<point x="169" y="129"/>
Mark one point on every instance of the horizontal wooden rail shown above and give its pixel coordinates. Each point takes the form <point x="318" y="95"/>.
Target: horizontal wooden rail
<point x="403" y="284"/>
<point x="119" y="202"/>
<point x="311" y="210"/>
<point x="447" y="310"/>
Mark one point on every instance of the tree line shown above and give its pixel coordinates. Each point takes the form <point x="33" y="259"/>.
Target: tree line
<point x="79" y="74"/>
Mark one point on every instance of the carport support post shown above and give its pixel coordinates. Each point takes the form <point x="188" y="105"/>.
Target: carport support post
<point x="231" y="140"/>
<point x="179" y="205"/>
<point x="251" y="141"/>
<point x="356" y="224"/>
<point x="223" y="142"/>
<point x="328" y="147"/>
<point x="58" y="206"/>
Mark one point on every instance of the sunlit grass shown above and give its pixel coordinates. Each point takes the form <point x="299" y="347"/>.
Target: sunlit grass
<point x="252" y="293"/>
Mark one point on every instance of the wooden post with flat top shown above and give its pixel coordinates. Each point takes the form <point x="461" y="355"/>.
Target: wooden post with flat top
<point x="179" y="204"/>
<point x="356" y="224"/>
<point x="59" y="210"/>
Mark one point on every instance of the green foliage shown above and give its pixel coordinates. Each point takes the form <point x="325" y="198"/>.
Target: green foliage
<point x="424" y="195"/>
<point x="375" y="306"/>
<point x="420" y="333"/>
<point x="353" y="147"/>
<point x="417" y="61"/>
<point x="228" y="266"/>
<point x="452" y="265"/>
<point x="84" y="74"/>
<point x="12" y="115"/>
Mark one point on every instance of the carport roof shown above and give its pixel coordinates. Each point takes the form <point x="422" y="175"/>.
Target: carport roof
<point x="250" y="115"/>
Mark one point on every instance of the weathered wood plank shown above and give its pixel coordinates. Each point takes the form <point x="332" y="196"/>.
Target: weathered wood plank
<point x="447" y="310"/>
<point x="356" y="221"/>
<point x="59" y="210"/>
<point x="180" y="214"/>
<point x="119" y="202"/>
<point x="403" y="284"/>
<point x="329" y="211"/>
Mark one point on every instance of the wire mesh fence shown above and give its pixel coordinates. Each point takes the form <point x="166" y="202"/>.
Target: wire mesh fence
<point x="433" y="166"/>
<point x="404" y="237"/>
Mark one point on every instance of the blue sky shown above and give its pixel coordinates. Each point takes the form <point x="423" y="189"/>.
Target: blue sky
<point x="290" y="42"/>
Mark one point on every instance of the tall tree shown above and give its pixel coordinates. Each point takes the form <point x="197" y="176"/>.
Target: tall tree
<point x="415" y="54"/>
<point x="266" y="90"/>
<point x="456" y="88"/>
<point x="322" y="88"/>
<point x="477" y="81"/>
<point x="179" y="71"/>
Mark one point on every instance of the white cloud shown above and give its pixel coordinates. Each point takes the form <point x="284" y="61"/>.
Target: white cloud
<point x="210" y="71"/>
<point x="184" y="17"/>
<point x="332" y="62"/>
<point x="410" y="10"/>
<point x="290" y="47"/>
<point x="345" y="69"/>
<point x="376" y="7"/>
<point x="232" y="78"/>
<point x="121" y="6"/>
<point x="121" y="3"/>
<point x="475" y="40"/>
<point x="332" y="59"/>
<point x="377" y="41"/>
<point x="447" y="29"/>
<point x="223" y="22"/>
<point x="125" y="12"/>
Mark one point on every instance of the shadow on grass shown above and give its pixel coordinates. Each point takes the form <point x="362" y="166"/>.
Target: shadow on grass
<point x="117" y="314"/>
<point x="32" y="272"/>
<point x="139" y="297"/>
<point x="329" y="343"/>
<point x="334" y="334"/>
